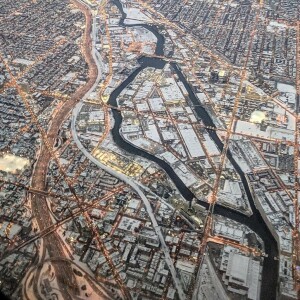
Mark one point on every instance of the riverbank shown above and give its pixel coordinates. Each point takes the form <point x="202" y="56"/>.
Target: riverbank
<point x="254" y="222"/>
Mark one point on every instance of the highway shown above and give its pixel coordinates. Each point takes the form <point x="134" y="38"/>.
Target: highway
<point x="52" y="228"/>
<point x="255" y="222"/>
<point x="296" y="233"/>
<point x="138" y="190"/>
<point x="131" y="183"/>
<point x="124" y="178"/>
<point x="53" y="243"/>
<point x="40" y="208"/>
<point x="101" y="288"/>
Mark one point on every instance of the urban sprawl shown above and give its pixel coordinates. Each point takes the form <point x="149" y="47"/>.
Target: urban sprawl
<point x="149" y="149"/>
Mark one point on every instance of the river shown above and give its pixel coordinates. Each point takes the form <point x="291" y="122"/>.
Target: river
<point x="255" y="221"/>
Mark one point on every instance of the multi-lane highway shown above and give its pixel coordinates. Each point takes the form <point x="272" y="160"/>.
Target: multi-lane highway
<point x="155" y="63"/>
<point x="140" y="192"/>
<point x="52" y="243"/>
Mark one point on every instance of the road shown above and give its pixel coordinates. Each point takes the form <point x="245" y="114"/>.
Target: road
<point x="296" y="231"/>
<point x="135" y="186"/>
<point x="101" y="288"/>
<point x="49" y="230"/>
<point x="138" y="190"/>
<point x="40" y="210"/>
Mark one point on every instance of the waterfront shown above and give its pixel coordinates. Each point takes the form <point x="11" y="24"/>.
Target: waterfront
<point x="255" y="222"/>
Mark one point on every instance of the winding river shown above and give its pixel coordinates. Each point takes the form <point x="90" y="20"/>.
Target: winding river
<point x="255" y="221"/>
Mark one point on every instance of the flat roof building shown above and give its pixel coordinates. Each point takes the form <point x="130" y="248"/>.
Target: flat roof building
<point x="241" y="273"/>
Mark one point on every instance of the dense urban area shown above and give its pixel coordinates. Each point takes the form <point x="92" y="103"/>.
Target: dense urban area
<point x="149" y="149"/>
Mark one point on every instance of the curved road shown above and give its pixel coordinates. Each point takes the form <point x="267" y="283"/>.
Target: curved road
<point x="52" y="243"/>
<point x="255" y="222"/>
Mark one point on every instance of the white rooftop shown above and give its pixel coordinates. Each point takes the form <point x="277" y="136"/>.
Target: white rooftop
<point x="191" y="141"/>
<point x="238" y="267"/>
<point x="171" y="92"/>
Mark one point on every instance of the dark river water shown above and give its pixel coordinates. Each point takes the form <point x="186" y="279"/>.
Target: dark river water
<point x="255" y="221"/>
